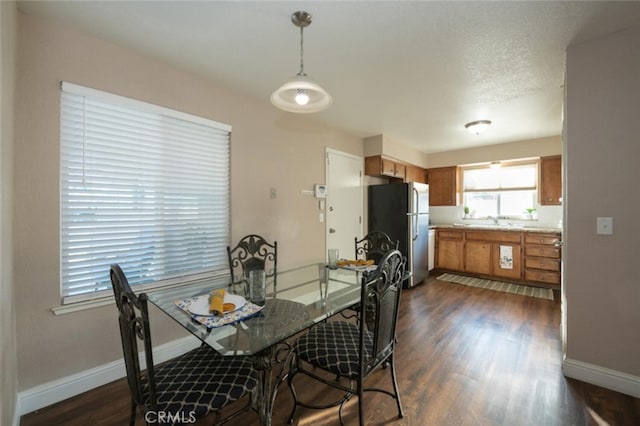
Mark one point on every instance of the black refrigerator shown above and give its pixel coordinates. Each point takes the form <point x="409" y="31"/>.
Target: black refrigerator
<point x="401" y="210"/>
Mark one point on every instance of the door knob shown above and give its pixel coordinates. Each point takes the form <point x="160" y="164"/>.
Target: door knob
<point x="332" y="231"/>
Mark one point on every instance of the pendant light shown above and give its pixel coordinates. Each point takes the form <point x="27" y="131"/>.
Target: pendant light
<point x="301" y="94"/>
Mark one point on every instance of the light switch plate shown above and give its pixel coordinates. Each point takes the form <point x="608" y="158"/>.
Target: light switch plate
<point x="604" y="225"/>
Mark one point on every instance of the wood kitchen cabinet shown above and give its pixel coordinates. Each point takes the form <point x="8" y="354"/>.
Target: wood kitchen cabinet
<point x="550" y="191"/>
<point x="532" y="256"/>
<point x="478" y="257"/>
<point x="444" y="188"/>
<point x="378" y="165"/>
<point x="500" y="270"/>
<point x="450" y="250"/>
<point x="415" y="174"/>
<point x="542" y="256"/>
<point x="482" y="253"/>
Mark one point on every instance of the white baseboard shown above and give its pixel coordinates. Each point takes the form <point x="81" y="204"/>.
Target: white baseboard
<point x="58" y="390"/>
<point x="603" y="377"/>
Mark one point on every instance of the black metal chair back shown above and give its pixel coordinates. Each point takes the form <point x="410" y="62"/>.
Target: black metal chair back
<point x="193" y="384"/>
<point x="381" y="291"/>
<point x="374" y="245"/>
<point x="351" y="351"/>
<point x="134" y="324"/>
<point x="253" y="252"/>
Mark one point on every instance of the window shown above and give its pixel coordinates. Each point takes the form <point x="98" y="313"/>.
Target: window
<point x="142" y="186"/>
<point x="507" y="191"/>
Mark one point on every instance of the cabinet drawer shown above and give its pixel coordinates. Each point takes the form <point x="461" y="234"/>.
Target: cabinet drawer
<point x="538" y="263"/>
<point x="502" y="237"/>
<point x="457" y="235"/>
<point x="542" y="276"/>
<point x="541" y="239"/>
<point x="542" y="251"/>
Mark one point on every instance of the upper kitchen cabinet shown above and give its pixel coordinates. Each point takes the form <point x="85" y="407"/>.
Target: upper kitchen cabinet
<point x="415" y="174"/>
<point x="378" y="165"/>
<point x="381" y="166"/>
<point x="444" y="188"/>
<point x="551" y="180"/>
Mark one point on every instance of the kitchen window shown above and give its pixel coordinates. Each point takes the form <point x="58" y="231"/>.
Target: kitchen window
<point x="505" y="192"/>
<point x="142" y="186"/>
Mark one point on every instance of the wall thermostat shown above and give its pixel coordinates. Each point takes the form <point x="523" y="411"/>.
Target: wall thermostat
<point x="320" y="190"/>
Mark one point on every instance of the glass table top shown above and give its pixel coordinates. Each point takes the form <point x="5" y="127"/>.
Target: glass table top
<point x="296" y="299"/>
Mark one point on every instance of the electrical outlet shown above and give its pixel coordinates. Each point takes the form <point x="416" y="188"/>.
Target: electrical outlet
<point x="604" y="225"/>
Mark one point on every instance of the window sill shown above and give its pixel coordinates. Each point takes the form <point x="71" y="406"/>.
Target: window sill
<point x="82" y="306"/>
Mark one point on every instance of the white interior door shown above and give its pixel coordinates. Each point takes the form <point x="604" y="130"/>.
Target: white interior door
<point x="344" y="202"/>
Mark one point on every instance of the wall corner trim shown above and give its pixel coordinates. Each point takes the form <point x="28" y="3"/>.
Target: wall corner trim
<point x="60" y="389"/>
<point x="601" y="376"/>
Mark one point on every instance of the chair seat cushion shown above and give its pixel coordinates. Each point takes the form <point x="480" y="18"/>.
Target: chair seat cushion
<point x="202" y="381"/>
<point x="334" y="347"/>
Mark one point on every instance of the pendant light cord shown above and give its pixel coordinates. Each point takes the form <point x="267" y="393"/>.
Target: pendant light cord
<point x="301" y="72"/>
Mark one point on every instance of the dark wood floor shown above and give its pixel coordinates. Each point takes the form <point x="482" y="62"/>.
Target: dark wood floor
<point x="466" y="356"/>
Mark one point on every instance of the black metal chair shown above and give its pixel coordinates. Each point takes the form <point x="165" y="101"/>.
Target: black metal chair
<point x="347" y="353"/>
<point x="184" y="388"/>
<point x="374" y="245"/>
<point x="252" y="253"/>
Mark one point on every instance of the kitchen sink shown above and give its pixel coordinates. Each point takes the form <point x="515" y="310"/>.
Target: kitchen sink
<point x="490" y="225"/>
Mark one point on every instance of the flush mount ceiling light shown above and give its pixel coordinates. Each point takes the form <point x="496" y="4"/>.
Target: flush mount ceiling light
<point x="477" y="127"/>
<point x="301" y="94"/>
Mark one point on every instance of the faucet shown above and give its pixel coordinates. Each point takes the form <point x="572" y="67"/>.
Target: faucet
<point x="495" y="220"/>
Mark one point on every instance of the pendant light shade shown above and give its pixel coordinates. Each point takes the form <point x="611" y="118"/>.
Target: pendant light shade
<point x="477" y="127"/>
<point x="301" y="94"/>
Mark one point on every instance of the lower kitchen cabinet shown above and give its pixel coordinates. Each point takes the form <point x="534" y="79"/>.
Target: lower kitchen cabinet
<point x="478" y="257"/>
<point x="542" y="258"/>
<point x="450" y="250"/>
<point x="508" y="255"/>
<point x="507" y="268"/>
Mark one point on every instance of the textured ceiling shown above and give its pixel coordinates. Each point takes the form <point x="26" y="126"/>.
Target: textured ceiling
<point x="413" y="71"/>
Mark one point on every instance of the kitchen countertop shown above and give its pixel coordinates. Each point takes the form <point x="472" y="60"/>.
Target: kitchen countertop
<point x="489" y="227"/>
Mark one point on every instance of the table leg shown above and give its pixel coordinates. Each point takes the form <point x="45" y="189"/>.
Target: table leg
<point x="264" y="400"/>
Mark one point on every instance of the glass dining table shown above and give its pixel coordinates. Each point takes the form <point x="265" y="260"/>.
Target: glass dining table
<point x="296" y="299"/>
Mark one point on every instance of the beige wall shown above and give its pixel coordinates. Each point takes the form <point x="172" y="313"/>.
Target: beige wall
<point x="499" y="152"/>
<point x="8" y="359"/>
<point x="270" y="148"/>
<point x="383" y="144"/>
<point x="601" y="274"/>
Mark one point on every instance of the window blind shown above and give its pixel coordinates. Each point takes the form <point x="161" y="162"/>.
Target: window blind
<point x="142" y="186"/>
<point x="508" y="177"/>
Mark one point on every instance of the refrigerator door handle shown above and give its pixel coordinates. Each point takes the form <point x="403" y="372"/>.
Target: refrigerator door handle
<point x="415" y="212"/>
